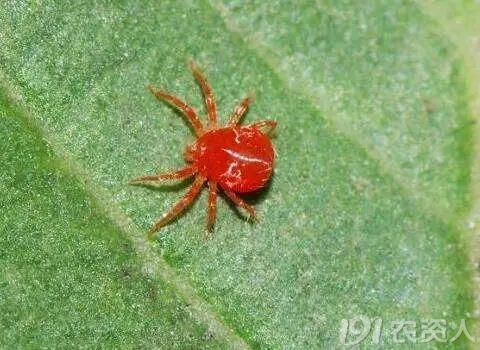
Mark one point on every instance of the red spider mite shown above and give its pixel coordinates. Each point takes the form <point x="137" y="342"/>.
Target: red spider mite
<point x="234" y="158"/>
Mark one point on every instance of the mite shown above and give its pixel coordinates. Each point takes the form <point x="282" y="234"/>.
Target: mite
<point x="233" y="158"/>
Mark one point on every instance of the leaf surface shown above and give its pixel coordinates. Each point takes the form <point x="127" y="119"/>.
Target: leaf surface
<point x="362" y="217"/>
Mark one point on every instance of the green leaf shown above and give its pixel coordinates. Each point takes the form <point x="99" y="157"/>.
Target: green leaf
<point x="364" y="215"/>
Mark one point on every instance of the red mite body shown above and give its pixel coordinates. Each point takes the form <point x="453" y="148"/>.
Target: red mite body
<point x="239" y="159"/>
<point x="235" y="159"/>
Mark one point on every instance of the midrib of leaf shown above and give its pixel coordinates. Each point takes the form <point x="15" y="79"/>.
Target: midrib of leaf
<point x="153" y="264"/>
<point x="429" y="207"/>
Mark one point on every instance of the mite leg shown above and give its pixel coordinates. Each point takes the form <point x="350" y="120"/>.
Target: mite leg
<point x="207" y="94"/>
<point x="188" y="111"/>
<point x="239" y="202"/>
<point x="240" y="110"/>
<point x="212" y="205"/>
<point x="181" y="174"/>
<point x="180" y="206"/>
<point x="265" y="126"/>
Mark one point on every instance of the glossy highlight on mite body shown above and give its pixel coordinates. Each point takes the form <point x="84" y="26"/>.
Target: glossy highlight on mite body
<point x="233" y="158"/>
